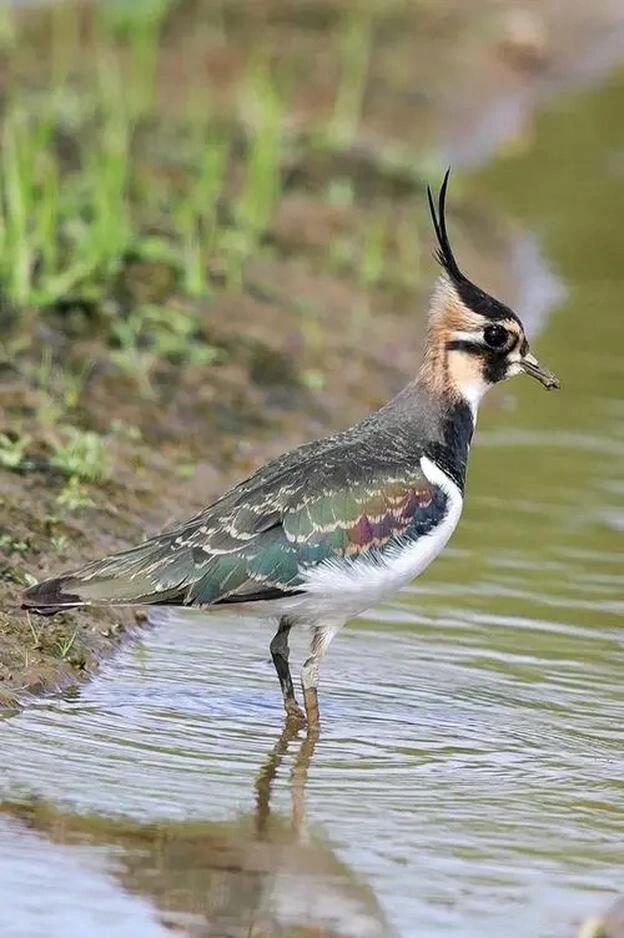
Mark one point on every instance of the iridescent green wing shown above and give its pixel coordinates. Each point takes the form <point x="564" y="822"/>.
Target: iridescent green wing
<point x="259" y="541"/>
<point x="312" y="528"/>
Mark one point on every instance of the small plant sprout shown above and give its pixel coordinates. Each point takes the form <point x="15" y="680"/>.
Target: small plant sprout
<point x="83" y="456"/>
<point x="65" y="646"/>
<point x="13" y="450"/>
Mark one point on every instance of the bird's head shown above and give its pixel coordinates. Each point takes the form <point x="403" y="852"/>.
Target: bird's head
<point x="474" y="341"/>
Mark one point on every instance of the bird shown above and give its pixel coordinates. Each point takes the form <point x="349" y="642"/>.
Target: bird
<point x="327" y="530"/>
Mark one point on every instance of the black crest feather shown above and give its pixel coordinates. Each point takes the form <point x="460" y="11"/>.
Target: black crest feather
<point x="444" y="253"/>
<point x="472" y="296"/>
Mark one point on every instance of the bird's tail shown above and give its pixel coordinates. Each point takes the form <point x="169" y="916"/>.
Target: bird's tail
<point x="50" y="597"/>
<point x="144" y="575"/>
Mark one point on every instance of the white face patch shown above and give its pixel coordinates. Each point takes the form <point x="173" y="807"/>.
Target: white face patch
<point x="475" y="338"/>
<point x="473" y="393"/>
<point x="513" y="368"/>
<point x="467" y="350"/>
<point x="466" y="374"/>
<point x="514" y="362"/>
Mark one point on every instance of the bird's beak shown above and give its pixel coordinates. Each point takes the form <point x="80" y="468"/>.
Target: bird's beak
<point x="531" y="366"/>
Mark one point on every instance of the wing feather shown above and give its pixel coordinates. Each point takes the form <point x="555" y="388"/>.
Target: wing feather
<point x="259" y="541"/>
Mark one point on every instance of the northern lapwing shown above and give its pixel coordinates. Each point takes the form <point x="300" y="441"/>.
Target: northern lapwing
<point x="329" y="529"/>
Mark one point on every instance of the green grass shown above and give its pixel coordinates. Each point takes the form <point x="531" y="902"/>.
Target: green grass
<point x="66" y="226"/>
<point x="93" y="170"/>
<point x="81" y="455"/>
<point x="65" y="646"/>
<point x="355" y="39"/>
<point x="13" y="450"/>
<point x="151" y="333"/>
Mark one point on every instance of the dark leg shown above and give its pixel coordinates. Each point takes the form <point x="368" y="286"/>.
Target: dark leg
<point x="280" y="652"/>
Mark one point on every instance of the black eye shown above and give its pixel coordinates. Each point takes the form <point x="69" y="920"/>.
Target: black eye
<point x="495" y="336"/>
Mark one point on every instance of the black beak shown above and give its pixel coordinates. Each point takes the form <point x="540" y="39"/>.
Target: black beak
<point x="531" y="366"/>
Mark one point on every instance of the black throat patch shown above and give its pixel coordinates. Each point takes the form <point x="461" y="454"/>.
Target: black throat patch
<point x="451" y="452"/>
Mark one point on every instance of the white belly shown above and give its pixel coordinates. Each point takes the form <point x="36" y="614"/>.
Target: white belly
<point x="336" y="590"/>
<point x="344" y="589"/>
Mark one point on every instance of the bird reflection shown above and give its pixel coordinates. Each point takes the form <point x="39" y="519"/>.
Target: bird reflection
<point x="258" y="876"/>
<point x="299" y="777"/>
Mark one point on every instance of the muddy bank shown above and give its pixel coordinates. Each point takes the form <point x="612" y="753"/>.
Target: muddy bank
<point x="322" y="323"/>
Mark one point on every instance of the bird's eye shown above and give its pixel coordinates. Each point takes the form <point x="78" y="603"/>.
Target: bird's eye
<point x="495" y="336"/>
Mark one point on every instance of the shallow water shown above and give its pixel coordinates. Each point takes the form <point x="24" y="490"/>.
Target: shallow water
<point x="469" y="777"/>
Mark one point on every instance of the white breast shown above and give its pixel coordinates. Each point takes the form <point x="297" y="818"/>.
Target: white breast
<point x="340" y="588"/>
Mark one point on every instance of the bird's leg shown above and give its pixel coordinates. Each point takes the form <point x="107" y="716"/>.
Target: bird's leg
<point x="280" y="652"/>
<point x="310" y="675"/>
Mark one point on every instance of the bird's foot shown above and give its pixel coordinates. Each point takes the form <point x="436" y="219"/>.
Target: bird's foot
<point x="295" y="716"/>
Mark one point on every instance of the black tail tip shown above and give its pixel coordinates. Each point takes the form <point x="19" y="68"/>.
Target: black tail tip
<point x="48" y="597"/>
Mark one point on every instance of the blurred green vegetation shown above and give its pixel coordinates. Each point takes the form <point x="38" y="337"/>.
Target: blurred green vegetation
<point x="93" y="171"/>
<point x="74" y="203"/>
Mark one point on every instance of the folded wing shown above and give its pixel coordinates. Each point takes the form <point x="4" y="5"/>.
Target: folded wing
<point x="255" y="544"/>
